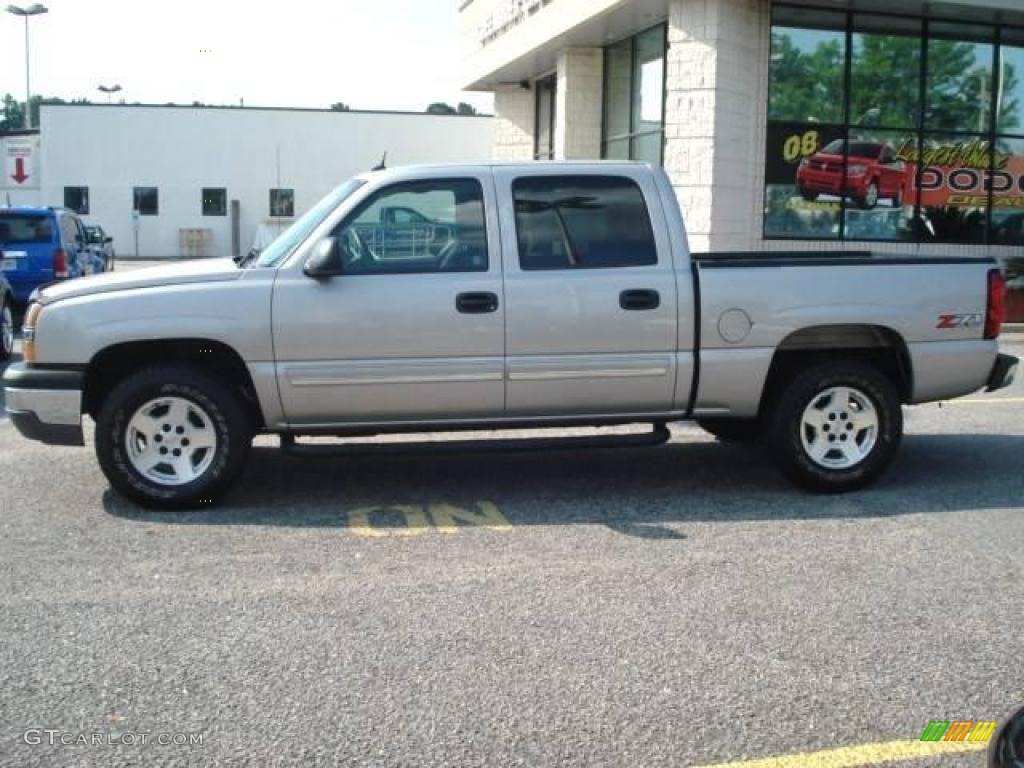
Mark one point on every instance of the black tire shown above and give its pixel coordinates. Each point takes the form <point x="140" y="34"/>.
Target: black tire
<point x="808" y="194"/>
<point x="786" y="439"/>
<point x="229" y="419"/>
<point x="7" y="328"/>
<point x="732" y="430"/>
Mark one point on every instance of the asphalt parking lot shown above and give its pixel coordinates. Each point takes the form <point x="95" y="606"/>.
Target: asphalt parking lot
<point x="678" y="605"/>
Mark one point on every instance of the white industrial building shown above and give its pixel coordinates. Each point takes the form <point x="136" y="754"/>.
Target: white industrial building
<point x="168" y="175"/>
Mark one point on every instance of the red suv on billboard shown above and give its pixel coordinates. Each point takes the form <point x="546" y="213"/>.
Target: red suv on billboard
<point x="873" y="171"/>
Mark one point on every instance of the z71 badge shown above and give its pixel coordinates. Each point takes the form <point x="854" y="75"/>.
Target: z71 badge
<point x="969" y="320"/>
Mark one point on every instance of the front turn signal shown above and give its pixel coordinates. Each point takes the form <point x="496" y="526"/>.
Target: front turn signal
<point x="28" y="332"/>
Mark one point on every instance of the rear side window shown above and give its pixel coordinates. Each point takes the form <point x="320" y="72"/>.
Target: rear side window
<point x="582" y="222"/>
<point x="26" y="229"/>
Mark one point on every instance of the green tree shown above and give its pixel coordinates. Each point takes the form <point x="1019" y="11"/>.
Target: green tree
<point x="441" y="108"/>
<point x="806" y="85"/>
<point x="13" y="114"/>
<point x="465" y="109"/>
<point x="339" y="106"/>
<point x="885" y="81"/>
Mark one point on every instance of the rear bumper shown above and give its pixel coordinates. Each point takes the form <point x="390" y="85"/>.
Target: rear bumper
<point x="1003" y="373"/>
<point x="45" y="405"/>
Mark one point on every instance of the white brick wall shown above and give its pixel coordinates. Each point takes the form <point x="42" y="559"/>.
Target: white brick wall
<point x="579" y="104"/>
<point x="514" y="123"/>
<point x="715" y="114"/>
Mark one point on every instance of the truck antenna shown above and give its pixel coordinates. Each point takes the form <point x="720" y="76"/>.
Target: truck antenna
<point x="383" y="163"/>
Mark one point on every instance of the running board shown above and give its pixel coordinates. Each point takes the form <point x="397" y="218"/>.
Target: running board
<point x="658" y="435"/>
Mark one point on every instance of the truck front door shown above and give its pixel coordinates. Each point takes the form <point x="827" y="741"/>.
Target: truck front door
<point x="592" y="306"/>
<point x="413" y="330"/>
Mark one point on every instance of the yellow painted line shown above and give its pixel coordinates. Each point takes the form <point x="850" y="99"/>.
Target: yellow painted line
<point x="862" y="755"/>
<point x="984" y="401"/>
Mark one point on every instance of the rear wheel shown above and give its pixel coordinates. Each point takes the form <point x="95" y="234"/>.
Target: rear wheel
<point x="836" y="426"/>
<point x="172" y="436"/>
<point x="732" y="430"/>
<point x="808" y="194"/>
<point x="6" y="328"/>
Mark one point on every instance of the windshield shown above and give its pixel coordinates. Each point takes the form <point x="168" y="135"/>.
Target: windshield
<point x="288" y="240"/>
<point x="25" y="229"/>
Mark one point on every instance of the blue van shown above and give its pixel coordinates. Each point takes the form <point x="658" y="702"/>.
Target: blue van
<point x="41" y="245"/>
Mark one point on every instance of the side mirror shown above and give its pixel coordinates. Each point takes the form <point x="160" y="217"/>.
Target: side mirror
<point x="108" y="239"/>
<point x="325" y="261"/>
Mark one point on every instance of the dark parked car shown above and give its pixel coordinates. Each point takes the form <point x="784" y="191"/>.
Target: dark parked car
<point x="41" y="245"/>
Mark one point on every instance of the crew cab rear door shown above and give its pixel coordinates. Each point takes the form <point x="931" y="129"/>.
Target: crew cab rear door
<point x="590" y="291"/>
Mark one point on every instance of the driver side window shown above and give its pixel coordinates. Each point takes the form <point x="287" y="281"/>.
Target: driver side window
<point x="418" y="226"/>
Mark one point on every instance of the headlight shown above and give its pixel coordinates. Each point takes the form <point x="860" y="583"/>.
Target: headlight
<point x="28" y="332"/>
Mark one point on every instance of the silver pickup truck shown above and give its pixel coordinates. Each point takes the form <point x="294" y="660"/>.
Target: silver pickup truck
<point x="497" y="296"/>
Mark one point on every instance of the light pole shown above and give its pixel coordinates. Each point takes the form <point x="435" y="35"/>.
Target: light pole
<point x="33" y="10"/>
<point x="109" y="90"/>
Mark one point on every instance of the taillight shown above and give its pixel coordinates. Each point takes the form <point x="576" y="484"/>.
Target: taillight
<point x="60" y="264"/>
<point x="995" y="313"/>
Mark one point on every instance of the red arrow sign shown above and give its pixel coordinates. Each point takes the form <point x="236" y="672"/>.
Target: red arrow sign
<point x="19" y="170"/>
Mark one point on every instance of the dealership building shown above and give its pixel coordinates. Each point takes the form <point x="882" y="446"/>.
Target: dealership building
<point x="884" y="125"/>
<point x="169" y="181"/>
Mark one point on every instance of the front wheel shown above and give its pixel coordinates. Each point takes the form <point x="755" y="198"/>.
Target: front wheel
<point x="172" y="437"/>
<point x="836" y="426"/>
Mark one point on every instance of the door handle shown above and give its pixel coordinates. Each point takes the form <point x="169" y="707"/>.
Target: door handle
<point x="476" y="303"/>
<point x="639" y="299"/>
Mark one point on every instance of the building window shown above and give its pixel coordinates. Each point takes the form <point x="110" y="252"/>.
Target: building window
<point x="77" y="199"/>
<point x="634" y="97"/>
<point x="215" y="201"/>
<point x="282" y="203"/>
<point x="417" y="226"/>
<point x="544" y="118"/>
<point x="894" y="128"/>
<point x="146" y="201"/>
<point x="582" y="222"/>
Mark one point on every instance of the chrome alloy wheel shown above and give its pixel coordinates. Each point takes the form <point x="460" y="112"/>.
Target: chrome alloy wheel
<point x="839" y="428"/>
<point x="171" y="441"/>
<point x="7" y="329"/>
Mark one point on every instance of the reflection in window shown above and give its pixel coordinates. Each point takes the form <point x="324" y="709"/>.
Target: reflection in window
<point x="146" y="201"/>
<point x="634" y="97"/>
<point x="282" y="203"/>
<point x="806" y="73"/>
<point x="1010" y="96"/>
<point x="544" y="128"/>
<point x="418" y="226"/>
<point x="885" y="73"/>
<point x="945" y="169"/>
<point x="581" y="222"/>
<point x="959" y="80"/>
<point x="77" y="199"/>
<point x="1008" y="193"/>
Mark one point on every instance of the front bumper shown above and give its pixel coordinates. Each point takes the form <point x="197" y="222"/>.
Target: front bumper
<point x="45" y="404"/>
<point x="1003" y="372"/>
